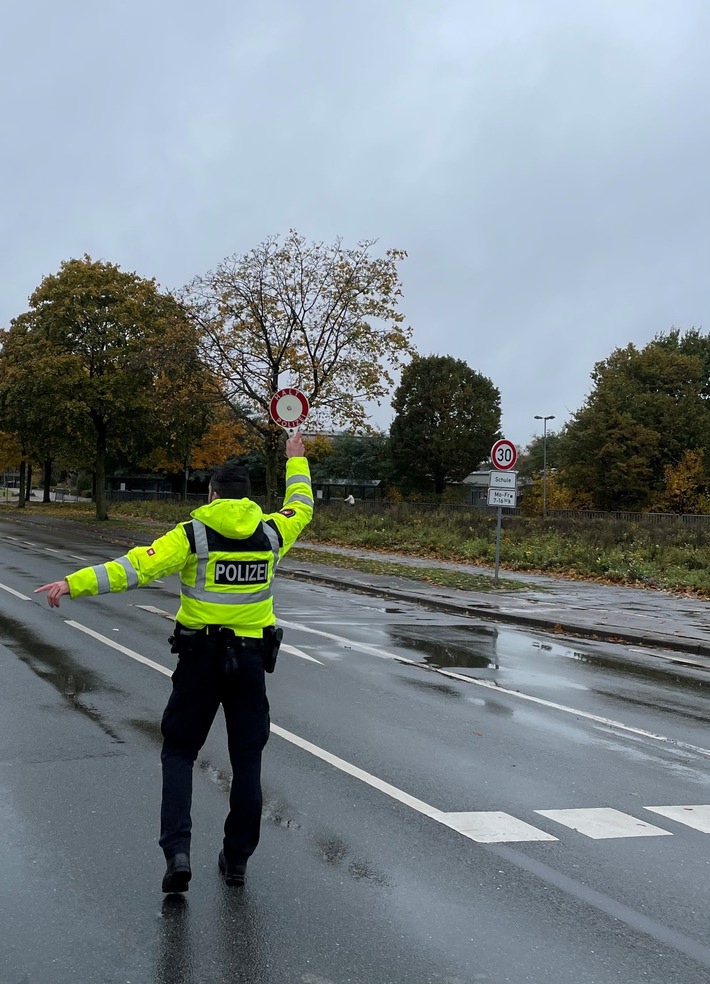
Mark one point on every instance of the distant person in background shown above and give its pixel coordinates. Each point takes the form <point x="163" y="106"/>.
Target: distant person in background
<point x="349" y="500"/>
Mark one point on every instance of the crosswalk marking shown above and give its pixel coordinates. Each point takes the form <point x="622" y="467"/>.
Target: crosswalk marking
<point x="493" y="827"/>
<point x="603" y="822"/>
<point x="697" y="817"/>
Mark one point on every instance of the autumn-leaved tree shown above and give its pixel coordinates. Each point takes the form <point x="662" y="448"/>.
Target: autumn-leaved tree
<point x="111" y="332"/>
<point x="685" y="485"/>
<point x="323" y="318"/>
<point x="646" y="409"/>
<point x="447" y="417"/>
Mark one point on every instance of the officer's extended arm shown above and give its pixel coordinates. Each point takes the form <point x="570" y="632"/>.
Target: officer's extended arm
<point x="139" y="566"/>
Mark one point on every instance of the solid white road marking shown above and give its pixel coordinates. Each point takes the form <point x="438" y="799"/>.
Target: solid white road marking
<point x="609" y="722"/>
<point x="697" y="817"/>
<point x="15" y="593"/>
<point x="121" y="649"/>
<point x="352" y="770"/>
<point x="493" y="827"/>
<point x="603" y="822"/>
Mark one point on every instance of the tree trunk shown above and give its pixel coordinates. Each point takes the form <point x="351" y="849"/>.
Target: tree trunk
<point x="23" y="474"/>
<point x="47" y="479"/>
<point x="28" y="488"/>
<point x="439" y="483"/>
<point x="271" y="453"/>
<point x="100" y="490"/>
<point x="184" y="481"/>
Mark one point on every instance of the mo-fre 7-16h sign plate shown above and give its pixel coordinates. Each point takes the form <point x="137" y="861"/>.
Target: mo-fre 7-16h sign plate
<point x="507" y="498"/>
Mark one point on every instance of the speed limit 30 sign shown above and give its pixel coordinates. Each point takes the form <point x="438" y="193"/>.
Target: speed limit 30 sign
<point x="504" y="454"/>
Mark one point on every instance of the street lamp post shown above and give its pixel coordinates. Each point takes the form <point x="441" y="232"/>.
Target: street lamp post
<point x="544" y="460"/>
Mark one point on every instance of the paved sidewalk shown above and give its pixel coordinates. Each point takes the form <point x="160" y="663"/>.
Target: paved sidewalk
<point x="638" y="616"/>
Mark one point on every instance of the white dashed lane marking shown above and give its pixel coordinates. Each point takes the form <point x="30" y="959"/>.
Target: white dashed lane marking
<point x="15" y="593"/>
<point x="493" y="828"/>
<point x="697" y="817"/>
<point x="602" y="823"/>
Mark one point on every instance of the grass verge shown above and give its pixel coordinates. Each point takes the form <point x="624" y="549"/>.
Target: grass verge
<point x="441" y="577"/>
<point x="673" y="557"/>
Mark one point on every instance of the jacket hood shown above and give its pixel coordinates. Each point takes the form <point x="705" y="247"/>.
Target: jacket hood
<point x="236" y="518"/>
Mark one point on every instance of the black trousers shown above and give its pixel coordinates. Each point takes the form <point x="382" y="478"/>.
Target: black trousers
<point x="211" y="675"/>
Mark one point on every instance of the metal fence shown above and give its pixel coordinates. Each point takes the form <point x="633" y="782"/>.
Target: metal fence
<point x="138" y="495"/>
<point x="386" y="505"/>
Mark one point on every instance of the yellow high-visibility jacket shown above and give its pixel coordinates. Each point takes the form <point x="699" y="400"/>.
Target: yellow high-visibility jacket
<point x="226" y="555"/>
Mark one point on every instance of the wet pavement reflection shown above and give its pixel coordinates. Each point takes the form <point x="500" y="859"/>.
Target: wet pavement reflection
<point x="73" y="681"/>
<point x="457" y="645"/>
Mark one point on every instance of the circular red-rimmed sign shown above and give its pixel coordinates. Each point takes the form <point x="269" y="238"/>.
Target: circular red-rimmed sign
<point x="289" y="408"/>
<point x="504" y="454"/>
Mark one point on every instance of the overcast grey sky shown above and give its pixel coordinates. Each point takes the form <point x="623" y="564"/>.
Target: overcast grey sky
<point x="545" y="163"/>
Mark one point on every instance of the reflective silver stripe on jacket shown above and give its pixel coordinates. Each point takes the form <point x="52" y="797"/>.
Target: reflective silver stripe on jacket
<point x="221" y="598"/>
<point x="202" y="552"/>
<point x="273" y="539"/>
<point x="297" y="497"/>
<point x="131" y="574"/>
<point x="102" y="579"/>
<point x="295" y="479"/>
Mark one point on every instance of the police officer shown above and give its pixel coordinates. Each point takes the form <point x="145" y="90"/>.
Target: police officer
<point x="226" y="639"/>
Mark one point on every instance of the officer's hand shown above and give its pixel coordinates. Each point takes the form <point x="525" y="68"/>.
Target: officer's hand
<point x="55" y="591"/>
<point x="294" y="446"/>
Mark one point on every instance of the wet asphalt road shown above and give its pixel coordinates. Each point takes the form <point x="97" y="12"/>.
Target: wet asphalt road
<point x="360" y="876"/>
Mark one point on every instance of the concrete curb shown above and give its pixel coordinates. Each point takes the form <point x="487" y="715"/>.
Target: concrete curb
<point x="556" y="627"/>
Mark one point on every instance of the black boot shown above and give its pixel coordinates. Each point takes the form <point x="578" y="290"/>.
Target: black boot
<point x="234" y="871"/>
<point x="177" y="874"/>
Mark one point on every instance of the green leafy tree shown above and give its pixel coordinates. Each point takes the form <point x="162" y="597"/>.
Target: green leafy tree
<point x="645" y="411"/>
<point x="447" y="417"/>
<point x="323" y="318"/>
<point x="111" y="332"/>
<point x="531" y="461"/>
<point x="356" y="456"/>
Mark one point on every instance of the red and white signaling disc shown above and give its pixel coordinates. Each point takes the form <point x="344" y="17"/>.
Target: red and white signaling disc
<point x="289" y="408"/>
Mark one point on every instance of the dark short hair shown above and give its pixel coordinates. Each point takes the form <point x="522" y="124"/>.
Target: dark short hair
<point x="231" y="481"/>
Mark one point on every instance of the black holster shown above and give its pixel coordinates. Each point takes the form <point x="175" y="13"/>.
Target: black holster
<point x="271" y="644"/>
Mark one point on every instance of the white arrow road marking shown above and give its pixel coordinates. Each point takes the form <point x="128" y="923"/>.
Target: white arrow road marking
<point x="155" y="611"/>
<point x="299" y="652"/>
<point x="15" y="593"/>
<point x="350" y="643"/>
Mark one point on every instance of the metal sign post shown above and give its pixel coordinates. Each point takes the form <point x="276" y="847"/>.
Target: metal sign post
<point x="502" y="486"/>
